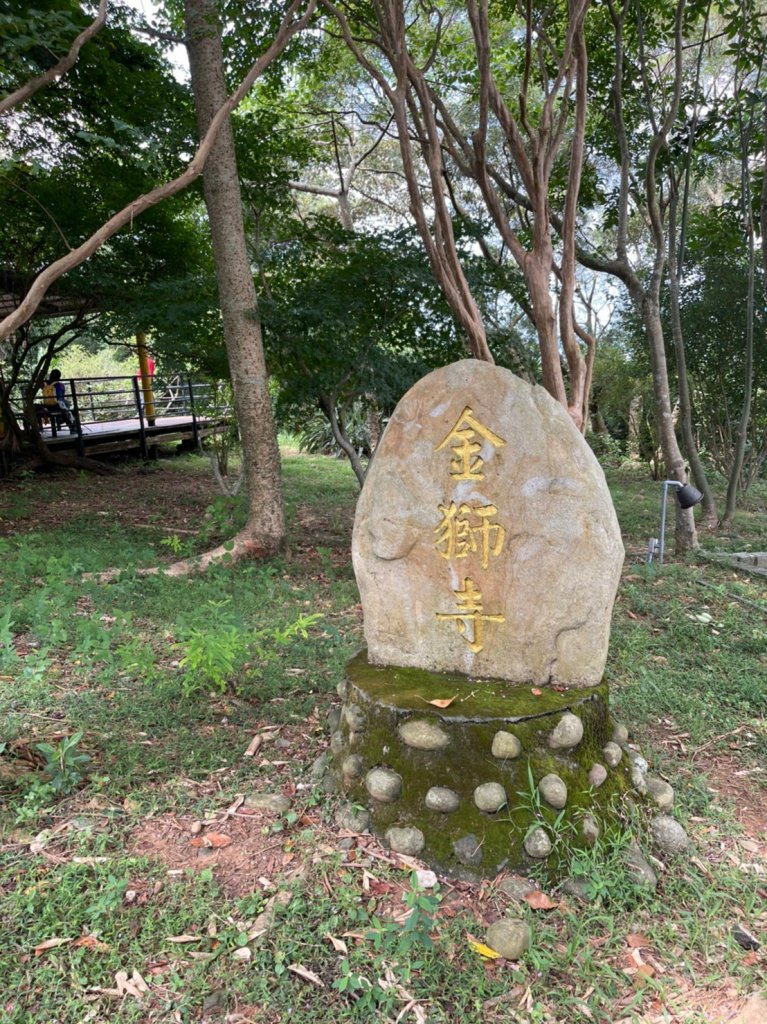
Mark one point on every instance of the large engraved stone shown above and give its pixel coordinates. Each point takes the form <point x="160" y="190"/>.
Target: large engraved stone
<point x="485" y="540"/>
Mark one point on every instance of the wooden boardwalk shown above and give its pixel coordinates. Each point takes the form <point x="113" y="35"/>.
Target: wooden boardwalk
<point x="126" y="434"/>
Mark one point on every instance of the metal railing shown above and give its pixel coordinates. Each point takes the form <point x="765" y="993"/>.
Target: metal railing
<point x="115" y="400"/>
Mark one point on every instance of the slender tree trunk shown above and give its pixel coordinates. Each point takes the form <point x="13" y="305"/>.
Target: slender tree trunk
<point x="264" y="532"/>
<point x="685" y="405"/>
<point x="685" y="535"/>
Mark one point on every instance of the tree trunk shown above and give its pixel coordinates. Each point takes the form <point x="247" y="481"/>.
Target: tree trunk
<point x="685" y="536"/>
<point x="264" y="532"/>
<point x="685" y="405"/>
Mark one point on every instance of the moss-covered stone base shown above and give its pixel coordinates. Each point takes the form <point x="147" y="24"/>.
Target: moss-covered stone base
<point x="435" y="772"/>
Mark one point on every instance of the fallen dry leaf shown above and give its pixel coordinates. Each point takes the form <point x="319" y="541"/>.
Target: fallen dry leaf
<point x="184" y="938"/>
<point x="90" y="942"/>
<point x="638" y="941"/>
<point x="536" y="692"/>
<point x="338" y="944"/>
<point x="442" y="702"/>
<point x="214" y="840"/>
<point x="540" y="901"/>
<point x="306" y="974"/>
<point x="486" y="952"/>
<point x="134" y="986"/>
<point x="43" y="947"/>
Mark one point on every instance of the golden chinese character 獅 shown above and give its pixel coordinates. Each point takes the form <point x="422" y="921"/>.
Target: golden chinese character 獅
<point x="465" y="529"/>
<point x="466" y="463"/>
<point x="469" y="619"/>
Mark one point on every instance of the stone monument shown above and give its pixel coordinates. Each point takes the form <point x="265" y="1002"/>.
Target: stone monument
<point x="475" y="728"/>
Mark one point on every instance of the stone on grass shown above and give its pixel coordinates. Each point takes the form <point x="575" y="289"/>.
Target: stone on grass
<point x="510" y="937"/>
<point x="353" y="767"/>
<point x="353" y="819"/>
<point x="468" y="850"/>
<point x="505" y="745"/>
<point x="553" y="790"/>
<point x="639" y="780"/>
<point x="668" y="835"/>
<point x="355" y="718"/>
<point x="661" y="792"/>
<point x="620" y="734"/>
<point x="579" y="888"/>
<point x="590" y="829"/>
<point x="637" y="867"/>
<point x="516" y="887"/>
<point x="334" y="719"/>
<point x="538" y="844"/>
<point x="597" y="775"/>
<point x="568" y="732"/>
<point x="320" y="767"/>
<point x="490" y="797"/>
<point x="407" y="840"/>
<point x="337" y="742"/>
<point x="481" y="489"/>
<point x="426" y="879"/>
<point x="269" y="803"/>
<point x="383" y="784"/>
<point x="612" y="754"/>
<point x="342" y="689"/>
<point x="423" y="735"/>
<point x="442" y="799"/>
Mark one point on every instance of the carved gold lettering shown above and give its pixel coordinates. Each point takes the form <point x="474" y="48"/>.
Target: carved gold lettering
<point x="465" y="529"/>
<point x="466" y="463"/>
<point x="470" y="619"/>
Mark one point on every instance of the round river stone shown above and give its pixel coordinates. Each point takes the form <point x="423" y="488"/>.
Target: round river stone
<point x="568" y="732"/>
<point x="661" y="792"/>
<point x="620" y="734"/>
<point x="668" y="835"/>
<point x="440" y="798"/>
<point x="353" y="767"/>
<point x="423" y="735"/>
<point x="612" y="754"/>
<point x="553" y="790"/>
<point x="408" y="841"/>
<point x="383" y="784"/>
<point x="510" y="937"/>
<point x="590" y="829"/>
<point x="270" y="803"/>
<point x="353" y="819"/>
<point x="468" y="850"/>
<point x="538" y="844"/>
<point x="490" y="797"/>
<point x="355" y="718"/>
<point x="505" y="745"/>
<point x="597" y="775"/>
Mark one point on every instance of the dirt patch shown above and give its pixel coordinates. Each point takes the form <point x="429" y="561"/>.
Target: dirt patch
<point x="250" y="860"/>
<point x="727" y="778"/>
<point x="140" y="497"/>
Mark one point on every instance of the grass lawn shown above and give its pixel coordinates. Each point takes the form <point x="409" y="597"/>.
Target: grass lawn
<point x="141" y="878"/>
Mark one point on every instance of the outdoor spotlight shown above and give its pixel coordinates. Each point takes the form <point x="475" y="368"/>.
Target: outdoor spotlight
<point x="687" y="496"/>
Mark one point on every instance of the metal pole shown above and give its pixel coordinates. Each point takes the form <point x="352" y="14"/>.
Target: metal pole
<point x="662" y="546"/>
<point x="76" y="411"/>
<point x="195" y="431"/>
<point x="142" y="431"/>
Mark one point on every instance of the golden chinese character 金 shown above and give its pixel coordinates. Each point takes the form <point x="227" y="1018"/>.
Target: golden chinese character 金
<point x="469" y="619"/>
<point x="465" y="529"/>
<point x="466" y="463"/>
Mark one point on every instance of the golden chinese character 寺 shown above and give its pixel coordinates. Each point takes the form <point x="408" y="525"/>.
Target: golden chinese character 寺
<point x="465" y="529"/>
<point x="466" y="463"/>
<point x="469" y="619"/>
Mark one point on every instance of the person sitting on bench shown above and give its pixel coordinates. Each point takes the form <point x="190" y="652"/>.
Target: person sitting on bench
<point x="54" y="402"/>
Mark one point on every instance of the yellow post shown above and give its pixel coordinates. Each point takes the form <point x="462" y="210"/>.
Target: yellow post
<point x="146" y="378"/>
